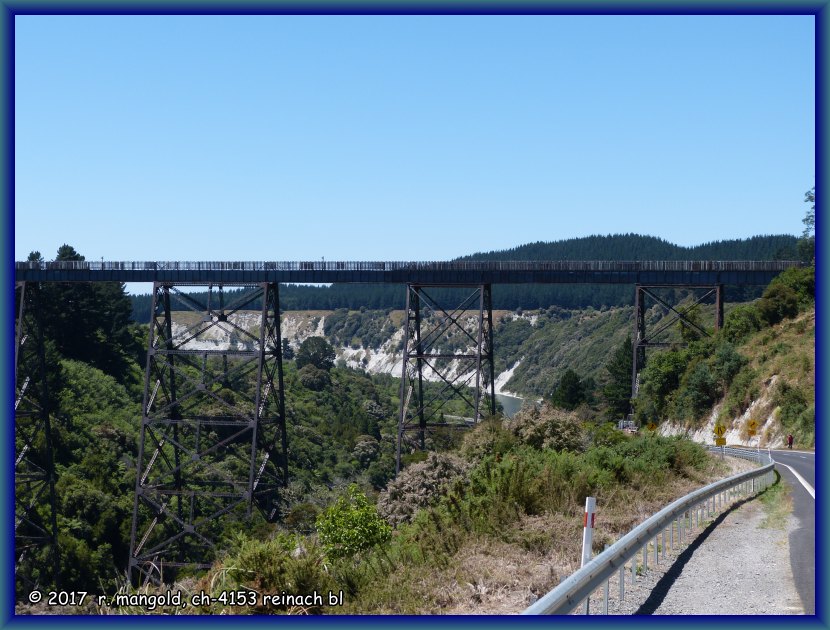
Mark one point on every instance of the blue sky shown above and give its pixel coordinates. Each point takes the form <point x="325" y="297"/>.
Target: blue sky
<point x="403" y="138"/>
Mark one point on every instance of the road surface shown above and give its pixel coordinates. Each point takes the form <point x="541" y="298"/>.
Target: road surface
<point x="803" y="539"/>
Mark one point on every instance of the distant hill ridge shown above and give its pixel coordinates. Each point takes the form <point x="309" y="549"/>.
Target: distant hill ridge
<point x="639" y="247"/>
<point x="597" y="247"/>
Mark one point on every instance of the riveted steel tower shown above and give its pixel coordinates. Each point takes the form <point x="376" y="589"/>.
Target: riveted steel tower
<point x="463" y="370"/>
<point x="213" y="439"/>
<point x="35" y="506"/>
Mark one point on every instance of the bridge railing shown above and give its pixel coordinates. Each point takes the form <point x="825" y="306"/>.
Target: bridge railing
<point x="504" y="265"/>
<point x="676" y="517"/>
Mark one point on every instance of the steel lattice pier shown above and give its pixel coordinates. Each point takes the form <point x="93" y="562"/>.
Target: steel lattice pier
<point x="465" y="374"/>
<point x="213" y="437"/>
<point x="35" y="517"/>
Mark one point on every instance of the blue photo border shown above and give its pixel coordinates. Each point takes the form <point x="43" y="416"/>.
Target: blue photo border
<point x="10" y="8"/>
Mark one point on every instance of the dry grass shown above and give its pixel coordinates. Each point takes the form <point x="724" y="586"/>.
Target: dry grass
<point x="786" y="349"/>
<point x="489" y="575"/>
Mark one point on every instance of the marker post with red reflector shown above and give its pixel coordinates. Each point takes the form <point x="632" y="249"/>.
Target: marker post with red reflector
<point x="588" y="534"/>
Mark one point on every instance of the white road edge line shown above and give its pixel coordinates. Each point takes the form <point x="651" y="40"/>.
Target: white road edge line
<point x="803" y="481"/>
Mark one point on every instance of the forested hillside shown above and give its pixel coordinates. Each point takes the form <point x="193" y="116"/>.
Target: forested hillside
<point x="612" y="247"/>
<point x="638" y="247"/>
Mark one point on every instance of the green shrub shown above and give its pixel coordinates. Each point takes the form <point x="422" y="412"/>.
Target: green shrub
<point x="802" y="281"/>
<point x="380" y="472"/>
<point x="662" y="375"/>
<point x="548" y="428"/>
<point x="488" y="438"/>
<point x="742" y="391"/>
<point x="791" y="402"/>
<point x="420" y="485"/>
<point x="366" y="450"/>
<point x="607" y="434"/>
<point x="314" y="378"/>
<point x="351" y="525"/>
<point x="283" y="564"/>
<point x="726" y="363"/>
<point x="778" y="302"/>
<point x="741" y="322"/>
<point x="698" y="391"/>
<point x="301" y="517"/>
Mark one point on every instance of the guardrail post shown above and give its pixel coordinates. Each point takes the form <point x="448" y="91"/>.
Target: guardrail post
<point x="664" y="543"/>
<point x="671" y="533"/>
<point x="622" y="583"/>
<point x="645" y="557"/>
<point x="607" y="588"/>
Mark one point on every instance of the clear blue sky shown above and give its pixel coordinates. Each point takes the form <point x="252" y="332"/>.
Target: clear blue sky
<point x="397" y="138"/>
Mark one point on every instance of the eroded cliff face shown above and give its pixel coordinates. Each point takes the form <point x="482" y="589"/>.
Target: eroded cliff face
<point x="781" y="360"/>
<point x="297" y="326"/>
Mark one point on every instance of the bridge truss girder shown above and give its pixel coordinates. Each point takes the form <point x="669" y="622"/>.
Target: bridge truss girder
<point x="423" y="359"/>
<point x="644" y="339"/>
<point x="35" y="504"/>
<point x="213" y="438"/>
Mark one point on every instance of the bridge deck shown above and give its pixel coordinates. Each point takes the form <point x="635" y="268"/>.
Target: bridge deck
<point x="703" y="272"/>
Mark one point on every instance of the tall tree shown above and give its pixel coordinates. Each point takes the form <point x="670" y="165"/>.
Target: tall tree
<point x="807" y="243"/>
<point x="570" y="392"/>
<point x="617" y="391"/>
<point x="90" y="322"/>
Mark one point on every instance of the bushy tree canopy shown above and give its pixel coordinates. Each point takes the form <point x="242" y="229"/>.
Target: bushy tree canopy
<point x="316" y="351"/>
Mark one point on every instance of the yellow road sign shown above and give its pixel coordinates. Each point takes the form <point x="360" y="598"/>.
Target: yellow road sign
<point x="750" y="433"/>
<point x="720" y="430"/>
<point x="651" y="426"/>
<point x="752" y="425"/>
<point x="720" y="441"/>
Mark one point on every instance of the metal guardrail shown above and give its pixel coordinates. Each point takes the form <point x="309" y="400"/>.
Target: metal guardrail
<point x="676" y="517"/>
<point x="509" y="265"/>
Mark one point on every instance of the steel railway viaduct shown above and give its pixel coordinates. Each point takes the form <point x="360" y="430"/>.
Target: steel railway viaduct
<point x="213" y="432"/>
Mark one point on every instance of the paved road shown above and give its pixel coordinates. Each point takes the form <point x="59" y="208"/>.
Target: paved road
<point x="803" y="539"/>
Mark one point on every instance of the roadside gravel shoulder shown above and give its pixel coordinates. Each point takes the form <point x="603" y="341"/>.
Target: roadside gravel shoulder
<point x="737" y="564"/>
<point x="740" y="567"/>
